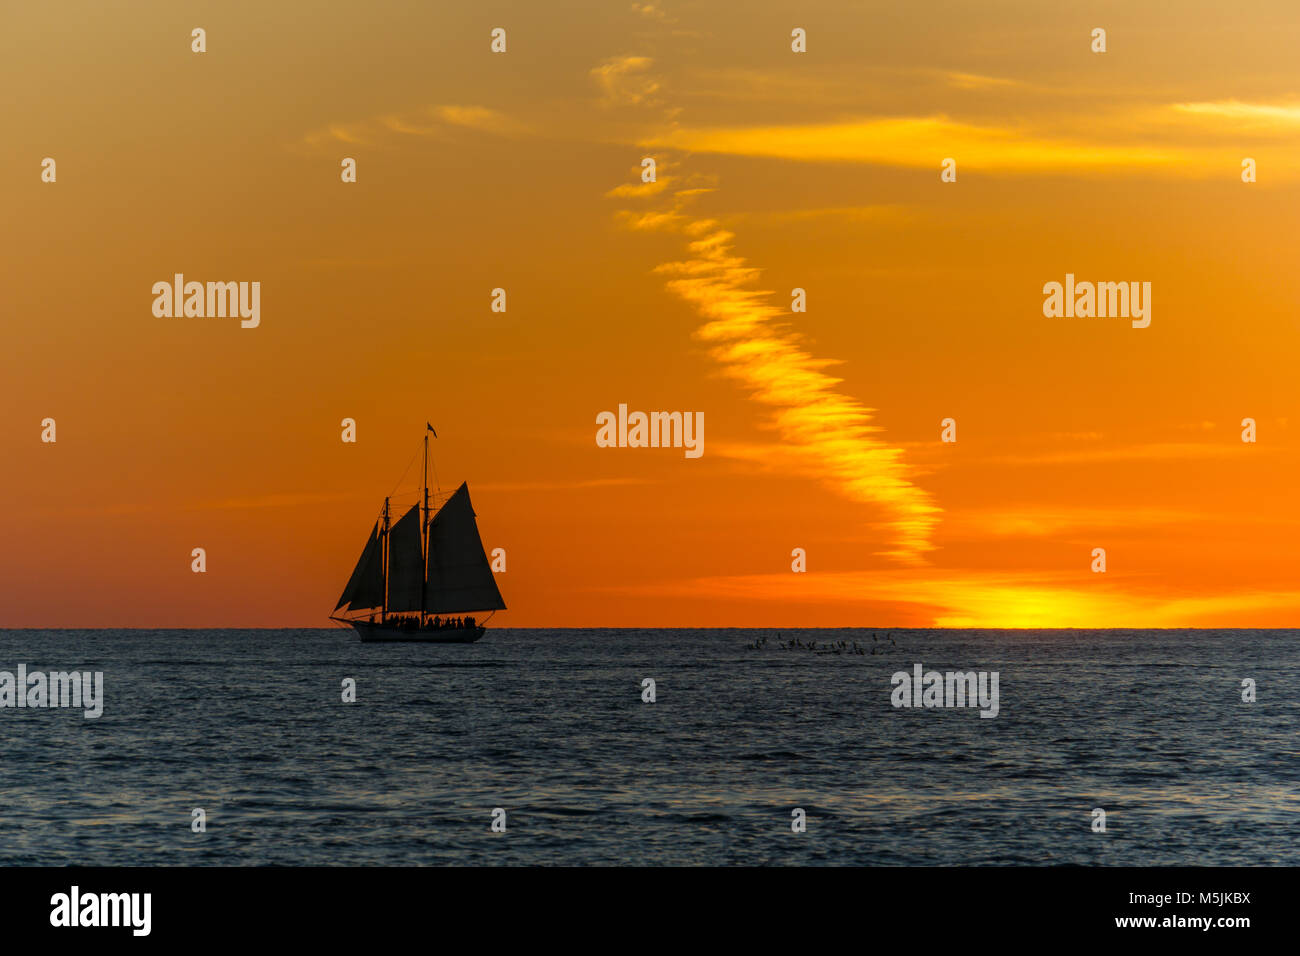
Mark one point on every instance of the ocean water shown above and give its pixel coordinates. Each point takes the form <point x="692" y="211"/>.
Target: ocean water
<point x="549" y="725"/>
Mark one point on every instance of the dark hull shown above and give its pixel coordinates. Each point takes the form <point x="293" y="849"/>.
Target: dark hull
<point x="388" y="634"/>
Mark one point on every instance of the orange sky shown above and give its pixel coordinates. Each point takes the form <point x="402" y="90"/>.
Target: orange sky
<point x="776" y="170"/>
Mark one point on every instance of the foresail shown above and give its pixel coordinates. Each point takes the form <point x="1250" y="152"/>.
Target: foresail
<point x="460" y="578"/>
<point x="366" y="586"/>
<point x="405" y="563"/>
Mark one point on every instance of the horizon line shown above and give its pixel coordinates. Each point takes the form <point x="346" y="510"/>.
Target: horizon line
<point x="643" y="627"/>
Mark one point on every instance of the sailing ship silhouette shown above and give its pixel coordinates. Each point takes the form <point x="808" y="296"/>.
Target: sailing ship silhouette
<point x="422" y="575"/>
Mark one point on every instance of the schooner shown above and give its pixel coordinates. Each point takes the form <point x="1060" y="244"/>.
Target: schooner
<point x="422" y="574"/>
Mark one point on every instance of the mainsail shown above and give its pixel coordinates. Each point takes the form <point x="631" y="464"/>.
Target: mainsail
<point x="366" y="586"/>
<point x="405" y="563"/>
<point x="460" y="578"/>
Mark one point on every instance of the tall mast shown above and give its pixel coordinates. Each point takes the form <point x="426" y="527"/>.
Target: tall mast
<point x="383" y="563"/>
<point x="424" y="534"/>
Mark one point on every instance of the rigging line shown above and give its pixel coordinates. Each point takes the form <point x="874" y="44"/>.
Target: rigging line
<point x="430" y="459"/>
<point x="403" y="478"/>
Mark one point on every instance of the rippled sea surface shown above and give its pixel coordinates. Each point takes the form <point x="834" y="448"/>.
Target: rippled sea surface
<point x="549" y="725"/>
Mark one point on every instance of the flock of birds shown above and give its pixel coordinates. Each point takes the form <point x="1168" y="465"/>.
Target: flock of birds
<point x="827" y="647"/>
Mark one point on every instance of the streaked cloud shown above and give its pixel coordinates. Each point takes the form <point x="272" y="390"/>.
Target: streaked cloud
<point x="561" y="485"/>
<point x="626" y="81"/>
<point x="829" y="432"/>
<point x="883" y="212"/>
<point x="652" y="11"/>
<point x="1254" y="115"/>
<point x="974" y="81"/>
<point x="429" y="121"/>
<point x="478" y="117"/>
<point x="292" y="499"/>
<point x="272" y="501"/>
<point x="1163" y="138"/>
<point x="921" y="141"/>
<point x="1047" y="520"/>
<point x="1154" y="451"/>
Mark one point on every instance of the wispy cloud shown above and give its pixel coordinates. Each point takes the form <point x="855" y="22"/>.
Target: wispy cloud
<point x="975" y="81"/>
<point x="1190" y="139"/>
<point x="652" y="11"/>
<point x="291" y="499"/>
<point x="1154" y="451"/>
<point x="883" y="212"/>
<point x="626" y="81"/>
<point x="562" y="485"/>
<point x="920" y="141"/>
<point x="1253" y="115"/>
<point x="273" y="501"/>
<point x="830" y="432"/>
<point x="480" y="118"/>
<point x="1048" y="521"/>
<point x="427" y="122"/>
